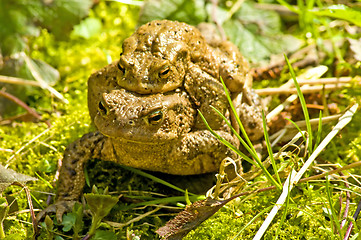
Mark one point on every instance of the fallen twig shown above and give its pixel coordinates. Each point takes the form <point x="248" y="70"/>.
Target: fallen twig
<point x="16" y="100"/>
<point x="19" y="81"/>
<point x="20" y="103"/>
<point x="328" y="84"/>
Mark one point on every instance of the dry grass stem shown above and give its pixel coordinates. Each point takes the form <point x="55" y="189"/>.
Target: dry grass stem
<point x="25" y="146"/>
<point x="43" y="84"/>
<point x="305" y="89"/>
<point x="294" y="177"/>
<point x="332" y="80"/>
<point x="19" y="81"/>
<point x="312" y="74"/>
<point x="136" y="219"/>
<point x="289" y="131"/>
<point x="343" y="121"/>
<point x="322" y="84"/>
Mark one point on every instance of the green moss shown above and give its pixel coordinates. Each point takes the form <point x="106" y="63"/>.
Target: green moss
<point x="305" y="217"/>
<point x="76" y="58"/>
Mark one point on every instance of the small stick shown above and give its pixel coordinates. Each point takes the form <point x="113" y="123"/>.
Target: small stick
<point x="20" y="103"/>
<point x="304" y="89"/>
<point x="19" y="81"/>
<point x="329" y="84"/>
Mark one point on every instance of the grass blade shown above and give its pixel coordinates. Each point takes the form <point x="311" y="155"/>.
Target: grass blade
<point x="269" y="149"/>
<point x="243" y="131"/>
<point x="303" y="104"/>
<point x="248" y="145"/>
<point x="225" y="142"/>
<point x="333" y="214"/>
<point x="155" y="179"/>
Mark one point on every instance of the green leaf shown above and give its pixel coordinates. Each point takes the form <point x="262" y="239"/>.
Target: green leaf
<point x="74" y="220"/>
<point x="49" y="224"/>
<point x="4" y="208"/>
<point x="340" y="11"/>
<point x="192" y="12"/>
<point x="14" y="24"/>
<point x="61" y="15"/>
<point x="9" y="176"/>
<point x="100" y="205"/>
<point x="78" y="213"/>
<point x="68" y="221"/>
<point x="257" y="33"/>
<point x="88" y="28"/>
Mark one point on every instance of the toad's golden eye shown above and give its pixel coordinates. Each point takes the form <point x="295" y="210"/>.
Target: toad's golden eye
<point x="155" y="117"/>
<point x="164" y="73"/>
<point x="121" y="68"/>
<point x="103" y="109"/>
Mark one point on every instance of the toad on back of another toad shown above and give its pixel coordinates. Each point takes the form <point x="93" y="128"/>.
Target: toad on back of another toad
<point x="144" y="107"/>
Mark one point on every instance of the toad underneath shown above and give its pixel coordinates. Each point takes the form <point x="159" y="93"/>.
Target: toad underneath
<point x="144" y="107"/>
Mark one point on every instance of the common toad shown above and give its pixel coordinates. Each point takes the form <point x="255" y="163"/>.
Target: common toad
<point x="144" y="107"/>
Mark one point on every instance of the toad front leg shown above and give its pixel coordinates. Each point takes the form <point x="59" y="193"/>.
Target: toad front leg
<point x="206" y="92"/>
<point x="71" y="177"/>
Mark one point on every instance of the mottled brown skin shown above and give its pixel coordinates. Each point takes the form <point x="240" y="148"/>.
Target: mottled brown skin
<point x="176" y="47"/>
<point x="148" y="121"/>
<point x="164" y="55"/>
<point x="158" y="132"/>
<point x="152" y="132"/>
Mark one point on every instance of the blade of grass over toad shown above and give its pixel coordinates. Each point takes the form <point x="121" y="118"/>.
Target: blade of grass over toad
<point x="303" y="104"/>
<point x="155" y="179"/>
<point x="250" y="147"/>
<point x="254" y="155"/>
<point x="238" y="120"/>
<point x="225" y="142"/>
<point x="236" y="133"/>
<point x="270" y="153"/>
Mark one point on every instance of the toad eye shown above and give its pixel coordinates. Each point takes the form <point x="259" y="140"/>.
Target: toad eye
<point x="103" y="109"/>
<point x="155" y="117"/>
<point x="121" y="67"/>
<point x="164" y="73"/>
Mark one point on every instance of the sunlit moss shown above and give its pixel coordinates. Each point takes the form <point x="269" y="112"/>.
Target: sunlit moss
<point x="75" y="58"/>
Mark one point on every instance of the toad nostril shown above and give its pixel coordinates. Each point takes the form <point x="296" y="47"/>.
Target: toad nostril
<point x="102" y="107"/>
